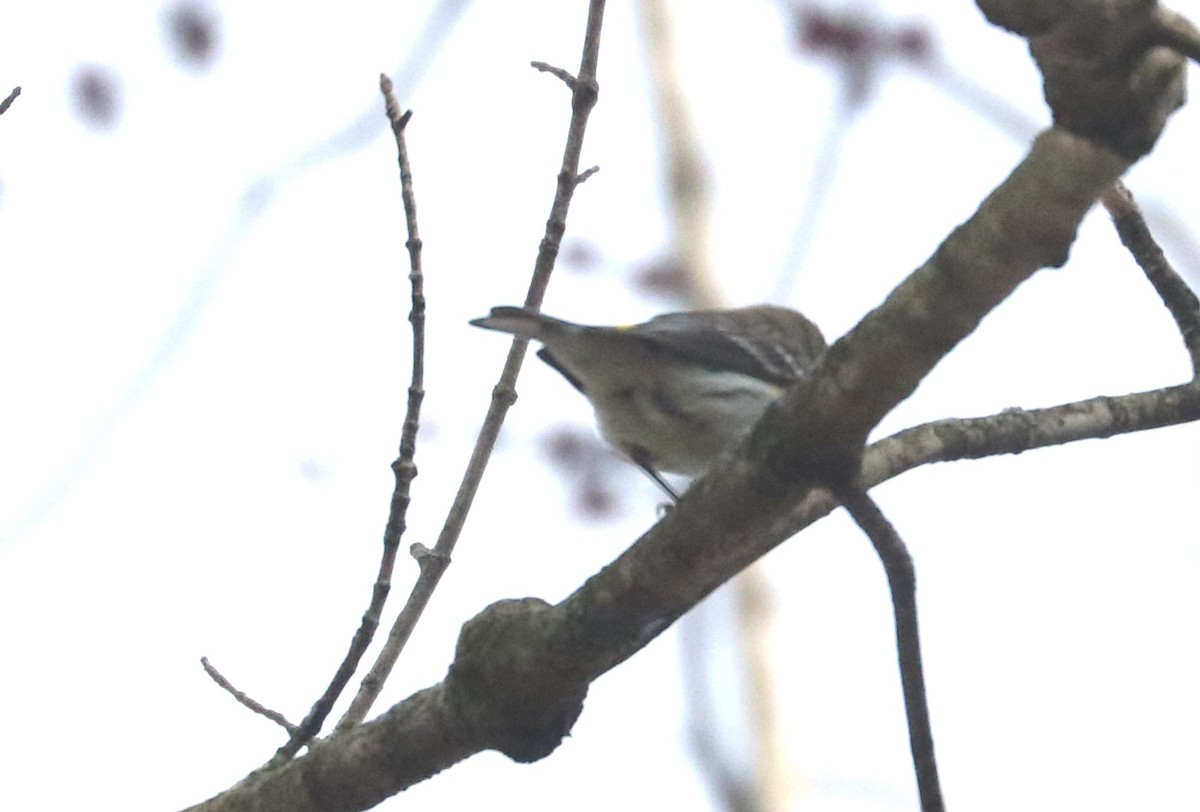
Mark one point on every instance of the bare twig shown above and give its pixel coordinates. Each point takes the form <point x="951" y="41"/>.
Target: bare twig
<point x="584" y="92"/>
<point x="902" y="582"/>
<point x="404" y="468"/>
<point x="9" y="99"/>
<point x="1175" y="293"/>
<point x="564" y="75"/>
<point x="1015" y="431"/>
<point x="275" y="716"/>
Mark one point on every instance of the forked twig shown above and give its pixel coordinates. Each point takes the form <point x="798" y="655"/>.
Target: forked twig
<point x="584" y="91"/>
<point x="1185" y="310"/>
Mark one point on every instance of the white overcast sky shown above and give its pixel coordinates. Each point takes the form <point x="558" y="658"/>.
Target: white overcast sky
<point x="203" y="354"/>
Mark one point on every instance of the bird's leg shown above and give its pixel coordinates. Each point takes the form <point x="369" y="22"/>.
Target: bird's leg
<point x="662" y="483"/>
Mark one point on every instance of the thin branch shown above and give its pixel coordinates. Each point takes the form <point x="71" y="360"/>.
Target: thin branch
<point x="275" y="716"/>
<point x="564" y="75"/>
<point x="1175" y="293"/>
<point x="584" y="91"/>
<point x="1177" y="236"/>
<point x="902" y="582"/>
<point x="12" y="97"/>
<point x="1013" y="431"/>
<point x="403" y="468"/>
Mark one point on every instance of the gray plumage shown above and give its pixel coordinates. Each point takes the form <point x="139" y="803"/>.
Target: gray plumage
<point x="677" y="391"/>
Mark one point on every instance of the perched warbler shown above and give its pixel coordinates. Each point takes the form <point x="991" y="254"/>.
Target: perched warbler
<point x="676" y="392"/>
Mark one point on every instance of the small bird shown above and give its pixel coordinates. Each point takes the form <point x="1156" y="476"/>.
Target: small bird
<point x="676" y="392"/>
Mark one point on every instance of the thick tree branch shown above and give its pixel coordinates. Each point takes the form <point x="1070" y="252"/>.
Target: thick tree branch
<point x="1103" y="77"/>
<point x="1177" y="33"/>
<point x="522" y="668"/>
<point x="1029" y="222"/>
<point x="534" y="678"/>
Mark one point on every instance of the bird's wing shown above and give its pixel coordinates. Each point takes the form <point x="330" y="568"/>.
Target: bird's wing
<point x="706" y="341"/>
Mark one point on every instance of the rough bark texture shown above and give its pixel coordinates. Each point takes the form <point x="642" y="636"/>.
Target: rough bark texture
<point x="522" y="667"/>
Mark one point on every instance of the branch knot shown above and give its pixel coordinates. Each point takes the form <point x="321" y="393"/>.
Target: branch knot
<point x="506" y="684"/>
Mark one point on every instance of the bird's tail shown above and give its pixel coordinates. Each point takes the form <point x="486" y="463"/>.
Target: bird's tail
<point x="521" y="322"/>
